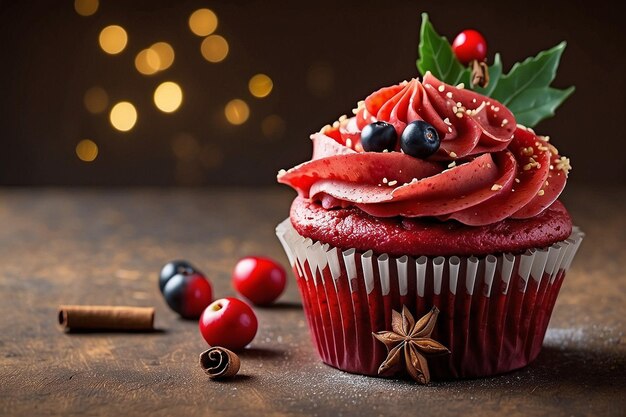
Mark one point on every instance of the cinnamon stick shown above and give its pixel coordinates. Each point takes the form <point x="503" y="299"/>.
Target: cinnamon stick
<point x="74" y="317"/>
<point x="219" y="363"/>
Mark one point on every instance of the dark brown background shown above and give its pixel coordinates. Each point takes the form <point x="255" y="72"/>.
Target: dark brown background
<point x="49" y="56"/>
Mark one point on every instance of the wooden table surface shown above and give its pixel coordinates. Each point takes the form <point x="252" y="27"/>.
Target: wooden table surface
<point x="107" y="246"/>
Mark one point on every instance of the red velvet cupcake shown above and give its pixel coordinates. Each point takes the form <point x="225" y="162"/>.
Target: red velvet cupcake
<point x="469" y="239"/>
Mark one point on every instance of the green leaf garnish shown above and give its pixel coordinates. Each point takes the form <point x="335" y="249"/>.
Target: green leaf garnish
<point x="535" y="104"/>
<point x="436" y="56"/>
<point x="525" y="90"/>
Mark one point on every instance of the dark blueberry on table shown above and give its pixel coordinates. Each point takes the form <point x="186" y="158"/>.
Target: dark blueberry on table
<point x="378" y="136"/>
<point x="188" y="295"/>
<point x="419" y="139"/>
<point x="172" y="268"/>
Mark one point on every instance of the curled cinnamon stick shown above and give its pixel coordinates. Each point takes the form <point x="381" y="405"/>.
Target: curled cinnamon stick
<point x="75" y="317"/>
<point x="480" y="74"/>
<point x="218" y="362"/>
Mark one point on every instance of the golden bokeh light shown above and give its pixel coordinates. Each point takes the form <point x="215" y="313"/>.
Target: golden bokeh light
<point x="203" y="22"/>
<point x="273" y="126"/>
<point x="168" y="97"/>
<point x="214" y="48"/>
<point x="113" y="39"/>
<point x="260" y="85"/>
<point x="165" y="52"/>
<point x="96" y="100"/>
<point x="147" y="62"/>
<point x="86" y="7"/>
<point x="158" y="57"/>
<point x="87" y="150"/>
<point x="237" y="111"/>
<point x="123" y="116"/>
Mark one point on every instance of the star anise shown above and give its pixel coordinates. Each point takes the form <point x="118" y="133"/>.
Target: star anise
<point x="408" y="342"/>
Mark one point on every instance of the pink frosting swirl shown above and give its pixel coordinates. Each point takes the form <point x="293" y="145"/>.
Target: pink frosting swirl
<point x="486" y="169"/>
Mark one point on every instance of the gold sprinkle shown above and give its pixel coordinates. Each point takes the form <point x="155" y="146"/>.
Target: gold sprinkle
<point x="449" y="94"/>
<point x="553" y="149"/>
<point x="496" y="187"/>
<point x="541" y="192"/>
<point x="447" y="121"/>
<point x="504" y="122"/>
<point x="385" y="180"/>
<point x="452" y="164"/>
<point x="547" y="183"/>
<point x="441" y="88"/>
<point x="282" y="172"/>
<point x="517" y="180"/>
<point x="392" y="183"/>
<point x="460" y="86"/>
<point x="453" y="154"/>
<point x="563" y="164"/>
<point x="459" y="114"/>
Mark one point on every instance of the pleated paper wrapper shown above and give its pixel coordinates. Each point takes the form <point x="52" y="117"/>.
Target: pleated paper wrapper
<point x="494" y="310"/>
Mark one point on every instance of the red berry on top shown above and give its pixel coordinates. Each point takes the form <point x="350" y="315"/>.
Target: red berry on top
<point x="469" y="45"/>
<point x="261" y="280"/>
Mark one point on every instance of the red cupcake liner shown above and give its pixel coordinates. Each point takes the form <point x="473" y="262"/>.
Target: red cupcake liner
<point x="494" y="310"/>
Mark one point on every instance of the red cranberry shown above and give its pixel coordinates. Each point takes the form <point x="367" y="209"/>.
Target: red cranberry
<point x="228" y="322"/>
<point x="261" y="280"/>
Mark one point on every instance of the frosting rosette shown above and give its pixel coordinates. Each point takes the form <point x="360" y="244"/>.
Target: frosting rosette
<point x="486" y="169"/>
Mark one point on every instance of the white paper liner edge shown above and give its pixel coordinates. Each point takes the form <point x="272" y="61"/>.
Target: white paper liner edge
<point x="497" y="271"/>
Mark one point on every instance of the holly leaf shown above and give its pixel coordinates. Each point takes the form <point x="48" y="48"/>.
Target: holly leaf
<point x="534" y="73"/>
<point x="535" y="104"/>
<point x="436" y="56"/>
